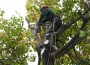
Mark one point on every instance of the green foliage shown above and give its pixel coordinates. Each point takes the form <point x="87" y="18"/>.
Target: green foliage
<point x="82" y="33"/>
<point x="14" y="42"/>
<point x="1" y="12"/>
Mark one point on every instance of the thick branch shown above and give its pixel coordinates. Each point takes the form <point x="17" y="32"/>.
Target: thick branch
<point x="64" y="27"/>
<point x="84" y="19"/>
<point x="66" y="48"/>
<point x="28" y="23"/>
<point x="33" y="28"/>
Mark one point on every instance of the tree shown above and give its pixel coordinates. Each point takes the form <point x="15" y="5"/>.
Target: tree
<point x="14" y="41"/>
<point x="74" y="34"/>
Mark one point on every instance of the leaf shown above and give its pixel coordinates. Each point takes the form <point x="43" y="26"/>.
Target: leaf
<point x="82" y="33"/>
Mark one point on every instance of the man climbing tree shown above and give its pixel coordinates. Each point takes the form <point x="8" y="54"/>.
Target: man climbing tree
<point x="48" y="16"/>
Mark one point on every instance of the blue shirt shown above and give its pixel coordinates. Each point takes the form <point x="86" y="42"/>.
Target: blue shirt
<point x="47" y="15"/>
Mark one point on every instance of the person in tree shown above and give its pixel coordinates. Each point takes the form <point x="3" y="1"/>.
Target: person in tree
<point x="49" y="16"/>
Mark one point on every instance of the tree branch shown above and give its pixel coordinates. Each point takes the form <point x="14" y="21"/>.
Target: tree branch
<point x="64" y="27"/>
<point x="71" y="56"/>
<point x="66" y="48"/>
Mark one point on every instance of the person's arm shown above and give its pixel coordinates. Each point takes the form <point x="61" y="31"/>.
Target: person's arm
<point x="43" y="19"/>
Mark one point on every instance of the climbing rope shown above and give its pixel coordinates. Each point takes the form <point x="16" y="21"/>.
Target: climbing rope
<point x="54" y="33"/>
<point x="53" y="38"/>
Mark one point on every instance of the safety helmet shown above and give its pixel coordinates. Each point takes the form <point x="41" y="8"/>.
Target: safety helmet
<point x="43" y="8"/>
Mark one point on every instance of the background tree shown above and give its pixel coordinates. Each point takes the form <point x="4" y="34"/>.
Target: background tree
<point x="74" y="35"/>
<point x="14" y="41"/>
